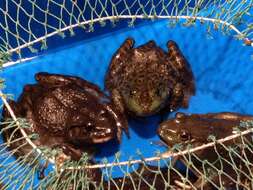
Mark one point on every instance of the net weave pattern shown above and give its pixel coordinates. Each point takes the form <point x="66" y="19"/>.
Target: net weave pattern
<point x="34" y="22"/>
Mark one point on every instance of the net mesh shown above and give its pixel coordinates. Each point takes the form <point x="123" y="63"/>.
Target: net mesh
<point x="38" y="21"/>
<point x="31" y="26"/>
<point x="231" y="167"/>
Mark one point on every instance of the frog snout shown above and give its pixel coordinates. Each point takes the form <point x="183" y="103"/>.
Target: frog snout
<point x="169" y="136"/>
<point x="90" y="133"/>
<point x="102" y="134"/>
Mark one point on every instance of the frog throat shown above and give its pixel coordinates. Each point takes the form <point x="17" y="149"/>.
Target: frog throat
<point x="135" y="105"/>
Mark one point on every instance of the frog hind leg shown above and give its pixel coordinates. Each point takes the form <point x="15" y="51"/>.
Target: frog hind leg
<point x="178" y="99"/>
<point x="56" y="80"/>
<point x="183" y="69"/>
<point x="117" y="59"/>
<point x="119" y="105"/>
<point x="120" y="120"/>
<point x="15" y="108"/>
<point x="117" y="100"/>
<point x="10" y="134"/>
<point x="48" y="79"/>
<point x="127" y="45"/>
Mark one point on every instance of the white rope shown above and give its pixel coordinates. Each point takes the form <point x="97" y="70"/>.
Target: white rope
<point x="11" y="63"/>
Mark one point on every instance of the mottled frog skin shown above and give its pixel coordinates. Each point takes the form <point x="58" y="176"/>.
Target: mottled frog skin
<point x="195" y="129"/>
<point x="145" y="80"/>
<point x="67" y="110"/>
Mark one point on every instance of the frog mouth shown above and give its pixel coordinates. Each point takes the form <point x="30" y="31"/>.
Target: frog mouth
<point x="171" y="137"/>
<point x="102" y="136"/>
<point x="100" y="140"/>
<point x="96" y="136"/>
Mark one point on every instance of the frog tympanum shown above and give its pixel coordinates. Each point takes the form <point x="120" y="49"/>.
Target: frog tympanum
<point x="145" y="80"/>
<point x="195" y="129"/>
<point x="67" y="111"/>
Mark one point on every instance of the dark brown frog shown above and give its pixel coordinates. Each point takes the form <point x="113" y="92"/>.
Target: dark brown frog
<point x="195" y="129"/>
<point x="67" y="111"/>
<point x="145" y="80"/>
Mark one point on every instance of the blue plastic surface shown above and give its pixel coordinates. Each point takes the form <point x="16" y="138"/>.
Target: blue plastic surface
<point x="222" y="67"/>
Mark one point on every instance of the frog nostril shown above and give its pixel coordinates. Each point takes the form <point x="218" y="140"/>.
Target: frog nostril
<point x="89" y="127"/>
<point x="184" y="136"/>
<point x="74" y="132"/>
<point x="108" y="131"/>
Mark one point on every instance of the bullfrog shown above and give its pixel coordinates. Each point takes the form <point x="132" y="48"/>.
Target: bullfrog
<point x="146" y="80"/>
<point x="198" y="127"/>
<point x="67" y="112"/>
<point x="195" y="129"/>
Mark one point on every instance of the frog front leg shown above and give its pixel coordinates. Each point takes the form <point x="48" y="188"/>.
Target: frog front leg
<point x="182" y="69"/>
<point x="10" y="134"/>
<point x="116" y="62"/>
<point x="15" y="108"/>
<point x="117" y="111"/>
<point x="178" y="99"/>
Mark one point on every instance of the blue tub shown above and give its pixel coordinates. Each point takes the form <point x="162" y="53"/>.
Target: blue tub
<point x="222" y="66"/>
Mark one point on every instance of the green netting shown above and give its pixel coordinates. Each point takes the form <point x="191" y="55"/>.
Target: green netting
<point x="219" y="164"/>
<point x="232" y="166"/>
<point x="54" y="17"/>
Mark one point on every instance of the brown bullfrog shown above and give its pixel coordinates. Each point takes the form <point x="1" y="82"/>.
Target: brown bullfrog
<point x="145" y="80"/>
<point x="67" y="111"/>
<point x="195" y="129"/>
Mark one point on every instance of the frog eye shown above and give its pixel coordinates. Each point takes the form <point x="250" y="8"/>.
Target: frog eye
<point x="184" y="135"/>
<point x="102" y="114"/>
<point x="132" y="92"/>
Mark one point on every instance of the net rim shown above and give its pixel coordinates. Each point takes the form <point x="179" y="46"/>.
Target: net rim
<point x="122" y="17"/>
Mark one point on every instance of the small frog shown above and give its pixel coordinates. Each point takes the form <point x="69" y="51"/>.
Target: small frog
<point x="195" y="129"/>
<point x="67" y="110"/>
<point x="145" y="80"/>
